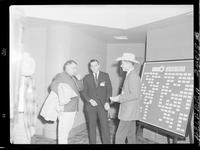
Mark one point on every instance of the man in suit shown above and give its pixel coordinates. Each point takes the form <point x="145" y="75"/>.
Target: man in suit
<point x="129" y="101"/>
<point x="96" y="92"/>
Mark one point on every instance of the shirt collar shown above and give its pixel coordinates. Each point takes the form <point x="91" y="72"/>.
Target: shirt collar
<point x="97" y="74"/>
<point x="129" y="71"/>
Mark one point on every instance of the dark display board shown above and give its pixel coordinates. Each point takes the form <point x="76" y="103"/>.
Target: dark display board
<point x="167" y="95"/>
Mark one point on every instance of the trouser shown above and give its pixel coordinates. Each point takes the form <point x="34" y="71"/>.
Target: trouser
<point x="126" y="129"/>
<point x="65" y="124"/>
<point x="94" y="113"/>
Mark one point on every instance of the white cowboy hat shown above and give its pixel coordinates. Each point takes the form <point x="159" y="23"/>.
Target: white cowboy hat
<point x="128" y="57"/>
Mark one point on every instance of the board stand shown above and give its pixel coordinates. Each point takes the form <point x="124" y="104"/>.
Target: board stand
<point x="188" y="130"/>
<point x="152" y="126"/>
<point x="189" y="133"/>
<point x="142" y="125"/>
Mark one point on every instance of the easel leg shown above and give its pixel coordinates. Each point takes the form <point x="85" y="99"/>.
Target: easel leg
<point x="168" y="139"/>
<point x="175" y="140"/>
<point x="190" y="135"/>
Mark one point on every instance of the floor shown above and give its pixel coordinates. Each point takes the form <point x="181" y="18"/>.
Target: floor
<point x="82" y="137"/>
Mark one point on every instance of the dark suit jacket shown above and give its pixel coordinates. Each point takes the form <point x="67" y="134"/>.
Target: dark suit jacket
<point x="101" y="93"/>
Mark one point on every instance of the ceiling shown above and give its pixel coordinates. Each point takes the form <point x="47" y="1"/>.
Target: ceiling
<point x="105" y="21"/>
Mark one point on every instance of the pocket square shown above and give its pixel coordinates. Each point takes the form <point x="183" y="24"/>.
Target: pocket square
<point x="102" y="83"/>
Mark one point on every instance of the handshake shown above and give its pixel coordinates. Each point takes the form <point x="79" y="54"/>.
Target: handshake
<point x="94" y="103"/>
<point x="106" y="105"/>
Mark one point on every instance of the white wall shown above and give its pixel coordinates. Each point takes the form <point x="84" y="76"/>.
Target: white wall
<point x="172" y="42"/>
<point x="84" y="48"/>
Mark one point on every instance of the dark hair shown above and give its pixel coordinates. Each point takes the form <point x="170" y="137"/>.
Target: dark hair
<point x="93" y="60"/>
<point x="69" y="62"/>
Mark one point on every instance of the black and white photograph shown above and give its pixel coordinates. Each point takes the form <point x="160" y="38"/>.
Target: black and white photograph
<point x="101" y="74"/>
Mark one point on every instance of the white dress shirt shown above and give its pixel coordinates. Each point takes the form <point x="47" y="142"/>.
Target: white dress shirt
<point x="97" y="74"/>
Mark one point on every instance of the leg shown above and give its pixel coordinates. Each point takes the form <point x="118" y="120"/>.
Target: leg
<point x="122" y="132"/>
<point x="92" y="121"/>
<point x="175" y="140"/>
<point x="132" y="133"/>
<point x="66" y="120"/>
<point x="105" y="130"/>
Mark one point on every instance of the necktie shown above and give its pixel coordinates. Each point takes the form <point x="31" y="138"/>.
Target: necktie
<point x="96" y="80"/>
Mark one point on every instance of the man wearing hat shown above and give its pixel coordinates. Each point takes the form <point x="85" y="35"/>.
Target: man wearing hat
<point x="129" y="100"/>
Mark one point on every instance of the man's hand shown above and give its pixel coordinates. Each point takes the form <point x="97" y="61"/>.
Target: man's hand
<point x="93" y="102"/>
<point x="106" y="106"/>
<point x="115" y="98"/>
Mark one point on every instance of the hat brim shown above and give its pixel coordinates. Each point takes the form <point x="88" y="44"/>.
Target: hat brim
<point x="132" y="60"/>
